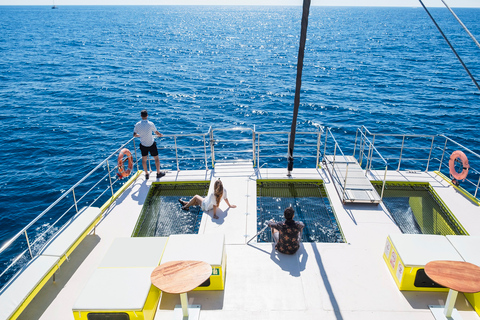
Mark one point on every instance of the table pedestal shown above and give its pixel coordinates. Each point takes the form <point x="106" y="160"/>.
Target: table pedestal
<point x="447" y="312"/>
<point x="185" y="311"/>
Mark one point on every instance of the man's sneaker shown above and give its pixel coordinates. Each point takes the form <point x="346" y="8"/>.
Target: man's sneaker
<point x="161" y="174"/>
<point x="147" y="176"/>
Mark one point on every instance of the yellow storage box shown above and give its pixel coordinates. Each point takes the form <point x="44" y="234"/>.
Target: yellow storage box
<point x="407" y="254"/>
<point x="200" y="247"/>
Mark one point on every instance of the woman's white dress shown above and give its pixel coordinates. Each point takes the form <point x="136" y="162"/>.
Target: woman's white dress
<point x="209" y="201"/>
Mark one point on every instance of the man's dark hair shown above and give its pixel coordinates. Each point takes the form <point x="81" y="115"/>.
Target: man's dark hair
<point x="288" y="213"/>
<point x="144" y="113"/>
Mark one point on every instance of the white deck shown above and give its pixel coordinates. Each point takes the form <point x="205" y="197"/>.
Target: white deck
<point x="322" y="281"/>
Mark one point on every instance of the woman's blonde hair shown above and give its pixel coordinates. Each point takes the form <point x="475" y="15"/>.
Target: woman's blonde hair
<point x="218" y="191"/>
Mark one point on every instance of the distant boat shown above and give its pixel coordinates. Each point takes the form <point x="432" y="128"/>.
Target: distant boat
<point x="54" y="6"/>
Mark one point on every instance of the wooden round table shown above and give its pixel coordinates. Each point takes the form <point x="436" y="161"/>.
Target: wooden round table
<point x="180" y="277"/>
<point x="455" y="275"/>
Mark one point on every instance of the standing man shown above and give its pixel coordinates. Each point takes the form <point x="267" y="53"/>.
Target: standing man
<point x="144" y="130"/>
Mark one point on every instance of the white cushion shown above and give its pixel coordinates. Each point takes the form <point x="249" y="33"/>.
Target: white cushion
<point x="419" y="249"/>
<point x="467" y="247"/>
<point x="115" y="289"/>
<point x="22" y="284"/>
<point x="198" y="247"/>
<point x="66" y="237"/>
<point x="134" y="252"/>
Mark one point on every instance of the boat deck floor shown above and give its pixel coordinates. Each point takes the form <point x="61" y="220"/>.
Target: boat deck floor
<point x="321" y="281"/>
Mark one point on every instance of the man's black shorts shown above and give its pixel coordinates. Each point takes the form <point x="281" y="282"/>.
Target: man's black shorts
<point x="152" y="149"/>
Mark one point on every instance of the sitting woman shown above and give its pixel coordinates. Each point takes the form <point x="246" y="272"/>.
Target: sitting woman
<point x="211" y="201"/>
<point x="287" y="235"/>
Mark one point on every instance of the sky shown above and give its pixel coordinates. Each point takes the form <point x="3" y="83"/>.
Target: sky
<point x="389" y="3"/>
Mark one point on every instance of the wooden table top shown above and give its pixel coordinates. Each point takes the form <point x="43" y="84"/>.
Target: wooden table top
<point x="457" y="275"/>
<point x="180" y="276"/>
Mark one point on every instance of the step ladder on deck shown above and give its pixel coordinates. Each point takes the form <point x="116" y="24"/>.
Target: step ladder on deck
<point x="350" y="181"/>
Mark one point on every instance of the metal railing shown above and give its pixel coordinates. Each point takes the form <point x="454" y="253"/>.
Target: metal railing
<point x="305" y="141"/>
<point x="227" y="144"/>
<point x="85" y="192"/>
<point x="419" y="153"/>
<point x="366" y="144"/>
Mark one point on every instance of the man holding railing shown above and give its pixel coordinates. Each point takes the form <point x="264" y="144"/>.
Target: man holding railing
<point x="143" y="130"/>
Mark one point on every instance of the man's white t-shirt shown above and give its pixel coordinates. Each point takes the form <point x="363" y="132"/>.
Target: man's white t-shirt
<point x="145" y="129"/>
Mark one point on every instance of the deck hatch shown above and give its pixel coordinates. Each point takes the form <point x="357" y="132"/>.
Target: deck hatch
<point x="311" y="204"/>
<point x="417" y="209"/>
<point x="162" y="215"/>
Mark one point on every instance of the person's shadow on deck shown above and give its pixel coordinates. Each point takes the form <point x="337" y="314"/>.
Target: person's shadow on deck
<point x="294" y="263"/>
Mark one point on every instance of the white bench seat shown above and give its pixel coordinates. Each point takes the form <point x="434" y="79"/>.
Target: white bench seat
<point x="19" y="289"/>
<point x="72" y="233"/>
<point x="209" y="248"/>
<point x="134" y="252"/>
<point x="28" y="281"/>
<point x="115" y="289"/>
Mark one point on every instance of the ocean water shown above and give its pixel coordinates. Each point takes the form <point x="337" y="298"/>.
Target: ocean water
<point x="73" y="81"/>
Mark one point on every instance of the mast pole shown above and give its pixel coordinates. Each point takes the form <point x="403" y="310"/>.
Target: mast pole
<point x="301" y="51"/>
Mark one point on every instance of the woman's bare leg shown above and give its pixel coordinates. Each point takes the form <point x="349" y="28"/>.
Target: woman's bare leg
<point x="195" y="201"/>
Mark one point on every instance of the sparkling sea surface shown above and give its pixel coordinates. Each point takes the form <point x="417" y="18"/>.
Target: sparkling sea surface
<point x="73" y="81"/>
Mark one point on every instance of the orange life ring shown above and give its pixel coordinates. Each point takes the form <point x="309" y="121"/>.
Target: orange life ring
<point x="451" y="164"/>
<point x="122" y="173"/>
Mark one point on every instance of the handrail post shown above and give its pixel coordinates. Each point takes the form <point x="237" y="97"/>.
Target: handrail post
<point x="430" y="154"/>
<point x="384" y="181"/>
<point x="370" y="155"/>
<point x="212" y="149"/>
<point x="110" y="178"/>
<point x="478" y="184"/>
<point x="325" y="147"/>
<point x="361" y="148"/>
<point x="345" y="184"/>
<point x="74" y="200"/>
<point x="176" y="151"/>
<point x="319" y="135"/>
<point x="253" y="147"/>
<point x="443" y="154"/>
<point x="28" y="244"/>
<point x="258" y="151"/>
<point x="136" y="157"/>
<point x="205" y="151"/>
<point x="401" y="152"/>
<point x="355" y="144"/>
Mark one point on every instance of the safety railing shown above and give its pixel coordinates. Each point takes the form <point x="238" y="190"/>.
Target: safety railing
<point x="178" y="151"/>
<point x="366" y="152"/>
<point x="472" y="181"/>
<point x="333" y="163"/>
<point x="232" y="144"/>
<point x="307" y="145"/>
<point x="419" y="153"/>
<point x="96" y="186"/>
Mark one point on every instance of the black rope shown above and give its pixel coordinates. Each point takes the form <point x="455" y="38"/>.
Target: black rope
<point x="451" y="47"/>
<point x="301" y="51"/>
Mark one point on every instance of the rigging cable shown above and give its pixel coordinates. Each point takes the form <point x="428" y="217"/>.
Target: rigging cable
<point x="450" y="45"/>
<point x="461" y="23"/>
<point x="301" y="51"/>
